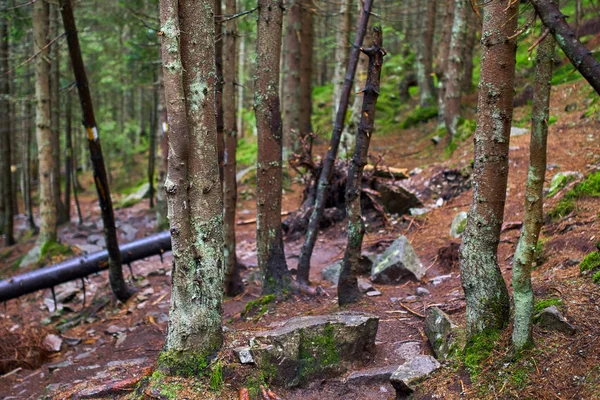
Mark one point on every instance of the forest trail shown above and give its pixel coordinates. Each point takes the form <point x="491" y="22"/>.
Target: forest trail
<point x="116" y="344"/>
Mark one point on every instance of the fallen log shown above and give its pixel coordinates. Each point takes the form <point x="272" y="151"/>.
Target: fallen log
<point x="388" y="172"/>
<point x="81" y="267"/>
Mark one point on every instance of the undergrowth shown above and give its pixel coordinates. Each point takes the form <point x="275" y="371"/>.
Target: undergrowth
<point x="589" y="187"/>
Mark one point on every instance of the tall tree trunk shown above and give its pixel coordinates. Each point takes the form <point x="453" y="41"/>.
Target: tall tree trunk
<point x="455" y="66"/>
<point x="48" y="206"/>
<point x="424" y="48"/>
<point x="152" y="148"/>
<point x="534" y="196"/>
<point x="193" y="187"/>
<point x="240" y="85"/>
<point x="5" y="132"/>
<point x="306" y="63"/>
<point x="580" y="56"/>
<point x="349" y="133"/>
<point x="271" y="257"/>
<point x="442" y="59"/>
<point x="68" y="155"/>
<point x="347" y="285"/>
<point x="291" y="79"/>
<point x="115" y="272"/>
<point x="327" y="171"/>
<point x="485" y="291"/>
<point x="26" y="156"/>
<point x="342" y="52"/>
<point x="473" y="29"/>
<point x="162" y="221"/>
<point x="233" y="281"/>
<point x="219" y="87"/>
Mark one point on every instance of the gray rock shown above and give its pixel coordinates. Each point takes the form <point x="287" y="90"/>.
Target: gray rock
<point x="441" y="332"/>
<point x="373" y="293"/>
<point x="458" y="224"/>
<point x="54" y="366"/>
<point x="97" y="240"/>
<point x="84" y="355"/>
<point x="440" y="278"/>
<point x="397" y="261"/>
<point x="421" y="291"/>
<point x="88" y="248"/>
<point x="514" y="131"/>
<point x="409" y="350"/>
<point x="31" y="257"/>
<point x="88" y="367"/>
<point x="371" y="375"/>
<point x="418" y="211"/>
<point x="304" y="348"/>
<point x="111" y="330"/>
<point x="410" y="373"/>
<point x="332" y="272"/>
<point x="138" y="195"/>
<point x="129" y="232"/>
<point x="244" y="354"/>
<point x="551" y="318"/>
<point x="127" y="363"/>
<point x="52" y="343"/>
<point x="364" y="285"/>
<point x="396" y="199"/>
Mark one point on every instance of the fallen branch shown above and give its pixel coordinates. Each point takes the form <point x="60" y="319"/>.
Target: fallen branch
<point x="410" y="310"/>
<point x="253" y="220"/>
<point x="387" y="172"/>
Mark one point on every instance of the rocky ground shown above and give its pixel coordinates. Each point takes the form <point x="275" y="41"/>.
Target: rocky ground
<point x="103" y="349"/>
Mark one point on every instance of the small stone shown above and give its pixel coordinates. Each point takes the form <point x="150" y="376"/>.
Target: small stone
<point x="421" y="291"/>
<point x="459" y="224"/>
<point x="364" y="285"/>
<point x="415" y="212"/>
<point x="551" y="318"/>
<point x="561" y="179"/>
<point x="120" y="339"/>
<point x="142" y="305"/>
<point x="53" y="367"/>
<point x="111" y="330"/>
<point x="397" y="261"/>
<point x="131" y="362"/>
<point x="411" y="373"/>
<point x="244" y="355"/>
<point x="140" y="297"/>
<point x="148" y="291"/>
<point x="52" y="343"/>
<point x="158" y="272"/>
<point x="373" y="293"/>
<point x="436" y="139"/>
<point x="97" y="240"/>
<point x="514" y="131"/>
<point x="441" y="278"/>
<point x="144" y="283"/>
<point x="439" y="202"/>
<point x="88" y="367"/>
<point x="84" y="355"/>
<point x="71" y="341"/>
<point x="411" y="298"/>
<point x="371" y="375"/>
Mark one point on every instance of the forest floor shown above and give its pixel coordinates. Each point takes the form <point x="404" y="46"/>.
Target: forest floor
<point x="112" y="345"/>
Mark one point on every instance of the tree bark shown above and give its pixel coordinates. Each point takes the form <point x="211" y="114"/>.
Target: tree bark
<point x="473" y="29"/>
<point x="48" y="206"/>
<point x="455" y="66"/>
<point x="219" y="87"/>
<point x="327" y="171"/>
<point x="115" y="272"/>
<point x="534" y="196"/>
<point x="162" y="222"/>
<point x="291" y="79"/>
<point x="68" y="155"/>
<point x="442" y="59"/>
<point x="193" y="187"/>
<point x="347" y="285"/>
<point x="567" y="40"/>
<point x="485" y="289"/>
<point x="5" y="133"/>
<point x="342" y="53"/>
<point x="240" y="85"/>
<point x="233" y="281"/>
<point x="306" y="64"/>
<point x="152" y="147"/>
<point x="424" y="48"/>
<point x="26" y="156"/>
<point x="271" y="257"/>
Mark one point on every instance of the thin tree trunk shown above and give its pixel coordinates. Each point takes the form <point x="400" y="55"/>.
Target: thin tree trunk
<point x="306" y="64"/>
<point x="566" y="39"/>
<point x="68" y="155"/>
<point x="442" y="59"/>
<point x="455" y="66"/>
<point x="271" y="257"/>
<point x="48" y="206"/>
<point x="115" y="272"/>
<point x="534" y="196"/>
<point x="327" y="171"/>
<point x="26" y="156"/>
<point x="240" y="85"/>
<point x="473" y="28"/>
<point x="162" y="222"/>
<point x="193" y="185"/>
<point x="219" y="87"/>
<point x="5" y="133"/>
<point x="291" y="79"/>
<point x="424" y="49"/>
<point x="349" y="133"/>
<point x="347" y="285"/>
<point x="485" y="290"/>
<point x="342" y="52"/>
<point x="233" y="281"/>
<point x="152" y="148"/>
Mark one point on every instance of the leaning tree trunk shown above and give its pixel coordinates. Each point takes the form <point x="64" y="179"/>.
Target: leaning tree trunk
<point x="567" y="40"/>
<point x="48" y="206"/>
<point x="347" y="285"/>
<point x="424" y="49"/>
<point x="342" y="47"/>
<point x="327" y="171"/>
<point x="271" y="257"/>
<point x="5" y="132"/>
<point x="534" y="196"/>
<point x="233" y="281"/>
<point x="193" y="187"/>
<point x="442" y="59"/>
<point x="291" y="79"/>
<point x="455" y="67"/>
<point x="485" y="291"/>
<point x="115" y="271"/>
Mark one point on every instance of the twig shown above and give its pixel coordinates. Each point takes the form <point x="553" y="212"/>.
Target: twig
<point x="20" y="5"/>
<point x="35" y="55"/>
<point x="410" y="310"/>
<point x="237" y="15"/>
<point x="539" y="40"/>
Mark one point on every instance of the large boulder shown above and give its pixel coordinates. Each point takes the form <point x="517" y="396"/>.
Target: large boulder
<point x="305" y="348"/>
<point x="441" y="332"/>
<point x="396" y="262"/>
<point x="411" y="373"/>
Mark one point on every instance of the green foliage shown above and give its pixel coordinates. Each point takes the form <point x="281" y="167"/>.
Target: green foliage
<point x="539" y="254"/>
<point x="216" y="376"/>
<point x="52" y="249"/>
<point x="418" y="115"/>
<point x="545" y="303"/>
<point x="464" y="130"/>
<point x="590" y="262"/>
<point x="590" y="187"/>
<point x="478" y="349"/>
<point x="596" y="277"/>
<point x="247" y="151"/>
<point x="259" y="306"/>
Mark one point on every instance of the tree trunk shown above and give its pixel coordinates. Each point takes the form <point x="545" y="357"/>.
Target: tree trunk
<point x="162" y="222"/>
<point x="271" y="257"/>
<point x="306" y="64"/>
<point x="342" y="53"/>
<point x="5" y="133"/>
<point x="566" y="39"/>
<point x="473" y="28"/>
<point x="68" y="155"/>
<point x="424" y="48"/>
<point x="152" y="148"/>
<point x="485" y="290"/>
<point x="534" y="196"/>
<point x="347" y="285"/>
<point x="219" y="87"/>
<point x="291" y="79"/>
<point x="240" y="85"/>
<point x="48" y="206"/>
<point x="115" y="272"/>
<point x="26" y="156"/>
<point x="455" y="66"/>
<point x="233" y="281"/>
<point x="442" y="59"/>
<point x="193" y="187"/>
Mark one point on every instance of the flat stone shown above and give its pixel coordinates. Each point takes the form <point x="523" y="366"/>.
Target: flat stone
<point x="52" y="343"/>
<point x="551" y="318"/>
<point x="415" y="212"/>
<point x="88" y="367"/>
<point x="441" y="333"/>
<point x="514" y="131"/>
<point x="111" y="330"/>
<point x="244" y="355"/>
<point x="409" y="350"/>
<point x="120" y="339"/>
<point x="84" y="355"/>
<point x="364" y="285"/>
<point x="412" y="372"/>
<point x="373" y="293"/>
<point x="97" y="240"/>
<point x="421" y="291"/>
<point x="88" y="248"/>
<point x="305" y="348"/>
<point x="71" y="341"/>
<point x="63" y="364"/>
<point x="441" y="278"/>
<point x="458" y="224"/>
<point x="371" y="375"/>
<point x="397" y="261"/>
<point x="129" y="232"/>
<point x="126" y="363"/>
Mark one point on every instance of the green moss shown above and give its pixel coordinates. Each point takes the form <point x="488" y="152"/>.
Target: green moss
<point x="589" y="187"/>
<point x="596" y="277"/>
<point x="181" y="363"/>
<point x="590" y="262"/>
<point x="259" y="306"/>
<point x="418" y="115"/>
<point x="545" y="303"/>
<point x="478" y="349"/>
<point x="464" y="130"/>
<point x="53" y="249"/>
<point x="216" y="376"/>
<point x="126" y="203"/>
<point x="539" y="254"/>
<point x="317" y="352"/>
